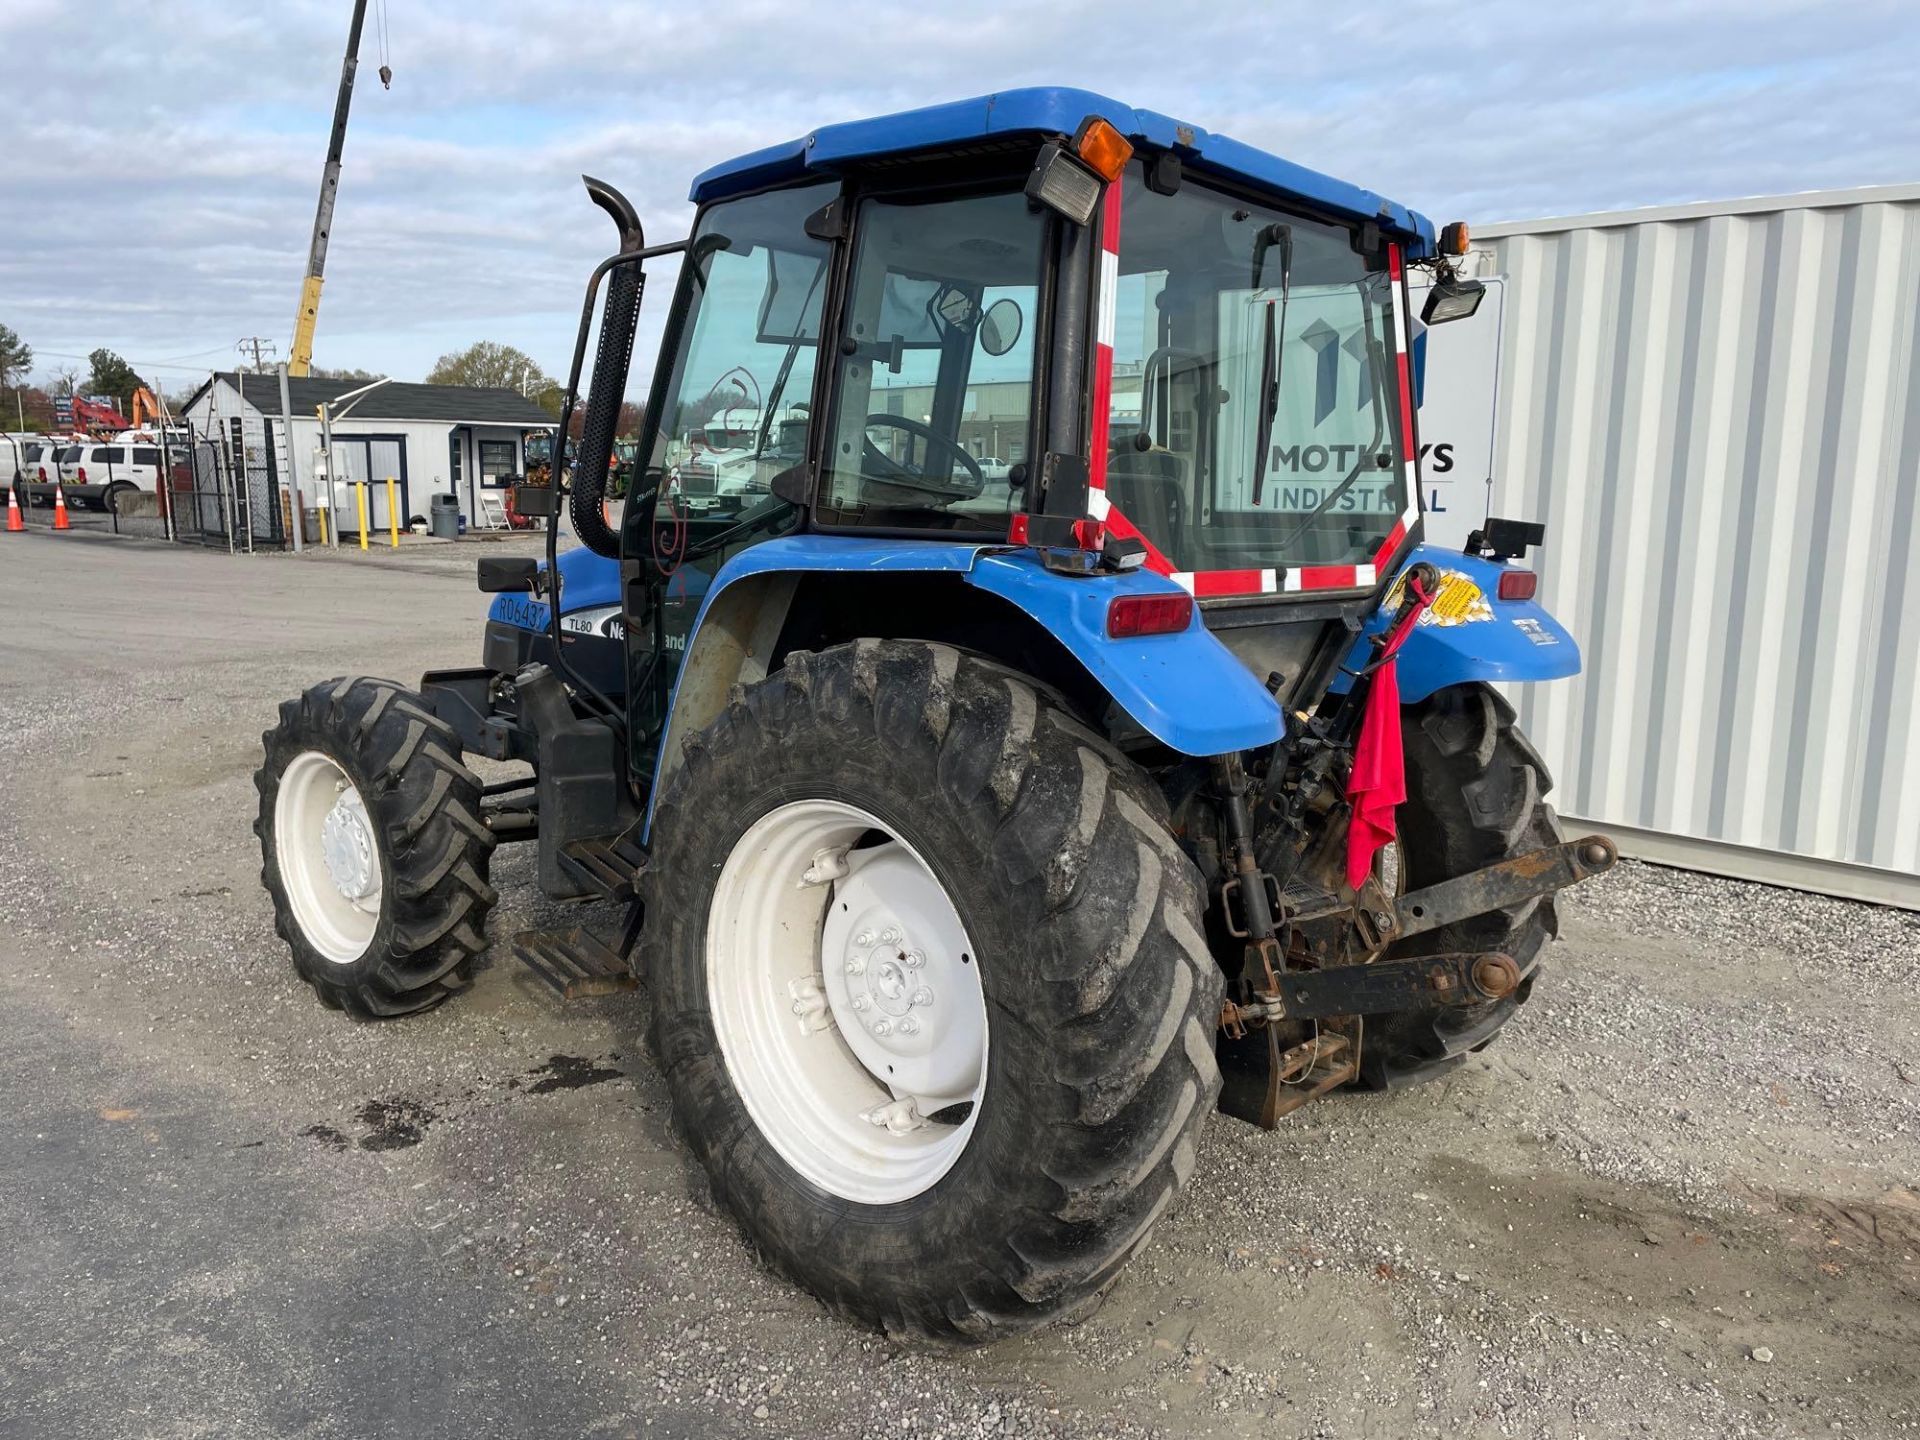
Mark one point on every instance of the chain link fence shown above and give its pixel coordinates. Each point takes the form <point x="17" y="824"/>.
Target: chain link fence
<point x="216" y="489"/>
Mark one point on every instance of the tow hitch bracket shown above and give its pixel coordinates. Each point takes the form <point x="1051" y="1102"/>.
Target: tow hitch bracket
<point x="1510" y="882"/>
<point x="1461" y="978"/>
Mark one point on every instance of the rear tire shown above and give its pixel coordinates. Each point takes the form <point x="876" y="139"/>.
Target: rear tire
<point x="1097" y="1068"/>
<point x="373" y="848"/>
<point x="1475" y="795"/>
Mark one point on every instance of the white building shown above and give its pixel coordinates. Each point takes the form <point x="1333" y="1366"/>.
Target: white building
<point x="430" y="439"/>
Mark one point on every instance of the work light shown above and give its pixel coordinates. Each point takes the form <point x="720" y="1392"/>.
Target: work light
<point x="1062" y="183"/>
<point x="1452" y="300"/>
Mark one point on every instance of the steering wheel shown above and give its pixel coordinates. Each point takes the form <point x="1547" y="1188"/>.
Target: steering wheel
<point x="876" y="465"/>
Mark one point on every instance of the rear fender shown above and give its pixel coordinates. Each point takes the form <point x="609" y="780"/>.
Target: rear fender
<point x="1483" y="638"/>
<point x="1186" y="689"/>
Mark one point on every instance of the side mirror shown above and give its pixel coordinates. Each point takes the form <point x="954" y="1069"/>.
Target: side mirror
<point x="1000" y="326"/>
<point x="507" y="574"/>
<point x="1452" y="300"/>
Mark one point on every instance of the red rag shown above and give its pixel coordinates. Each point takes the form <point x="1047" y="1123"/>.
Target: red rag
<point x="1378" y="784"/>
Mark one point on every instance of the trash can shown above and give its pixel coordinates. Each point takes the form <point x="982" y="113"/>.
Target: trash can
<point x="444" y="517"/>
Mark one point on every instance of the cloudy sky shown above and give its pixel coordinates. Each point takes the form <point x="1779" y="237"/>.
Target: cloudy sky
<point x="159" y="161"/>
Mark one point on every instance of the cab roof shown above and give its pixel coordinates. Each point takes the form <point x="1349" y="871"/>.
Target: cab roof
<point x="1049" y="111"/>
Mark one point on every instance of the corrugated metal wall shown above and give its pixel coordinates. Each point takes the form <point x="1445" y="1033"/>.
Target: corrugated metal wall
<point x="1716" y="410"/>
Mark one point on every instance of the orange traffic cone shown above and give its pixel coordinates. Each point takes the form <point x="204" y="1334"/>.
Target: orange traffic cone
<point x="60" y="521"/>
<point x="14" y="523"/>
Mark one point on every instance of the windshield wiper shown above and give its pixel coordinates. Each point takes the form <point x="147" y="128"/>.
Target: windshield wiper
<point x="1272" y="362"/>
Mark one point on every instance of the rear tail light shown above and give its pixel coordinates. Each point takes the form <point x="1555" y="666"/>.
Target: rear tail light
<point x="43" y="474"/>
<point x="1518" y="584"/>
<point x="80" y="475"/>
<point x="1131" y="615"/>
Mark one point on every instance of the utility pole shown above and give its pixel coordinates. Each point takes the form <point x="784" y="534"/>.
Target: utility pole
<point x="254" y="344"/>
<point x="300" y="358"/>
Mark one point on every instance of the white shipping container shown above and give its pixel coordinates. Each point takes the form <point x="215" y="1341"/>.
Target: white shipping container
<point x="1715" y="409"/>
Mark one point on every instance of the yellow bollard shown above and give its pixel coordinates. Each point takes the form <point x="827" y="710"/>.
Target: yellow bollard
<point x="393" y="511"/>
<point x="360" y="494"/>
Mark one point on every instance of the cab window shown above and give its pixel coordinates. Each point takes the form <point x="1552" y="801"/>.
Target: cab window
<point x="934" y="380"/>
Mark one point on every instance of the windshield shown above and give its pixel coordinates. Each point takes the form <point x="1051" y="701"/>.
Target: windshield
<point x="1255" y="412"/>
<point x="733" y="408"/>
<point x="933" y="394"/>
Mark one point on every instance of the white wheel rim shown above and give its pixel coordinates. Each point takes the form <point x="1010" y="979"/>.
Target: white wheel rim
<point x="846" y="998"/>
<point x="329" y="857"/>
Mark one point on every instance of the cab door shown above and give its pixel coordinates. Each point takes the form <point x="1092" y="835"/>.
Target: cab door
<point x="731" y="411"/>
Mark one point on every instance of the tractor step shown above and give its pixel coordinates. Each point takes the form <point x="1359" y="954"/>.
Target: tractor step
<point x="609" y="864"/>
<point x="576" y="962"/>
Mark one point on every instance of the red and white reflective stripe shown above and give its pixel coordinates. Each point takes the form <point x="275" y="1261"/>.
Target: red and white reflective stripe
<point x="1106" y="286"/>
<point x="1330" y="577"/>
<point x="1403" y="364"/>
<point x="1106" y="299"/>
<point x="1211" y="584"/>
<point x="1100" y="507"/>
<point x="1206" y="584"/>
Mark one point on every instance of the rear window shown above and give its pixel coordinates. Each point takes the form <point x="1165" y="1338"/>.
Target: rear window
<point x="71" y="455"/>
<point x="32" y="453"/>
<point x="146" y="455"/>
<point x="110" y="455"/>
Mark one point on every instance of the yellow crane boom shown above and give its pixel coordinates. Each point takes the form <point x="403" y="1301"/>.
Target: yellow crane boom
<point x="300" y="356"/>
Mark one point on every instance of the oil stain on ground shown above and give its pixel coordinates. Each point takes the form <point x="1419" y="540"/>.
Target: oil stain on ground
<point x="394" y="1123"/>
<point x="569" y="1072"/>
<point x="327" y="1135"/>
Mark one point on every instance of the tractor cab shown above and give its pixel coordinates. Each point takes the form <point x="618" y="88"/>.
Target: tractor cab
<point x="1013" y="712"/>
<point x="987" y="327"/>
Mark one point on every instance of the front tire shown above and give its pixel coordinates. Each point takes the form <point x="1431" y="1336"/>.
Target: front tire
<point x="1476" y="793"/>
<point x="373" y="849"/>
<point x="1047" y="1163"/>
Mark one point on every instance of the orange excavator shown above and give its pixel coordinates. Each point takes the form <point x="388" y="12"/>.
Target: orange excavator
<point x="97" y="416"/>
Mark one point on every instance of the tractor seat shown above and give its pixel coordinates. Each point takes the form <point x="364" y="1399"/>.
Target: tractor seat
<point x="1150" y="487"/>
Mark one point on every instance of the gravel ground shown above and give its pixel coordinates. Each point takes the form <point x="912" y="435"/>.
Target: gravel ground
<point x="1677" y="1198"/>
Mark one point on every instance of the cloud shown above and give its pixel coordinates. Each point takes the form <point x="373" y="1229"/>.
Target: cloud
<point x="160" y="191"/>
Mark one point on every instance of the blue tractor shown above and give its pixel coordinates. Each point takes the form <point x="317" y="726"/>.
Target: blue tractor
<point x="1014" y="716"/>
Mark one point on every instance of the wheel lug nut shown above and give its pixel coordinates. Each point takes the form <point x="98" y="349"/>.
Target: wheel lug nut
<point x="862" y="1002"/>
<point x="865" y="937"/>
<point x="922" y="996"/>
<point x="890" y="936"/>
<point x="915" y="959"/>
<point x="883" y="1027"/>
<point x="856" y="966"/>
<point x="909" y="1026"/>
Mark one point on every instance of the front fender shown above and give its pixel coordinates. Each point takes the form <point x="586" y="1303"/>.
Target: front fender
<point x="1187" y="690"/>
<point x="1489" y="639"/>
